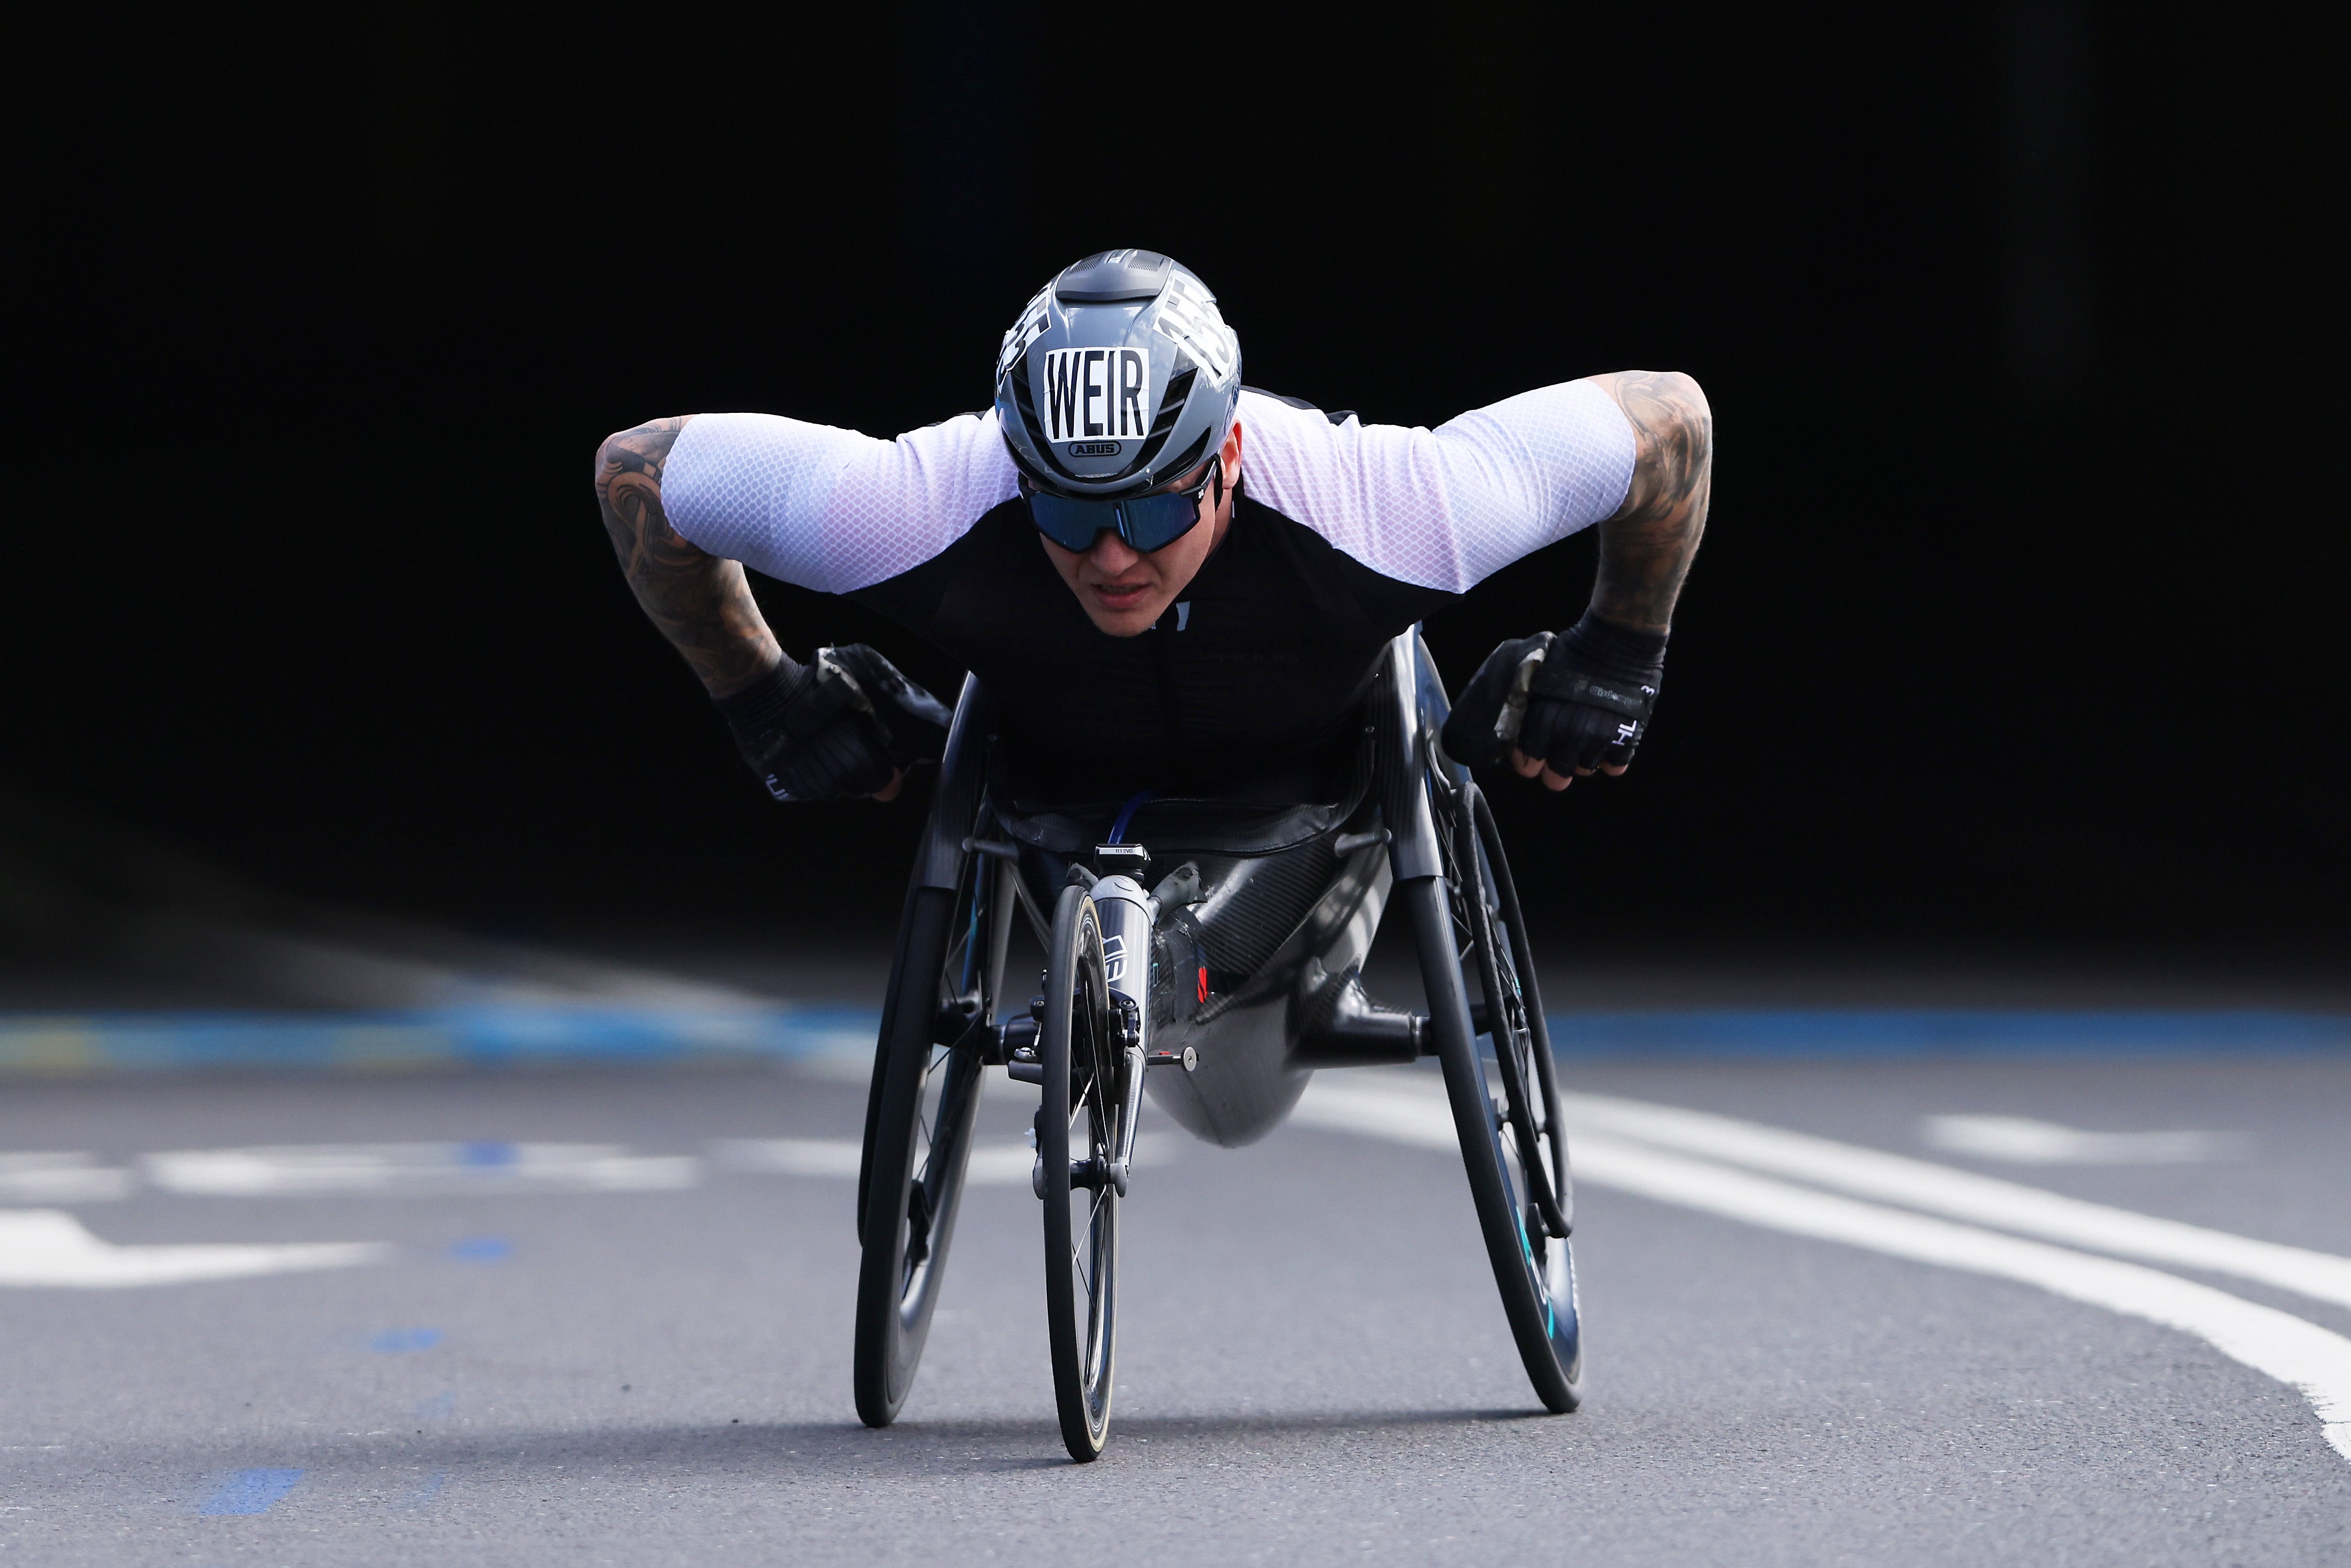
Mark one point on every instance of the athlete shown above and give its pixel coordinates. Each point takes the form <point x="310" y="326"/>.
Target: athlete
<point x="1166" y="581"/>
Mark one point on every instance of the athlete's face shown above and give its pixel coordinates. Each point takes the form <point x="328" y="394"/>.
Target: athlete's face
<point x="1125" y="591"/>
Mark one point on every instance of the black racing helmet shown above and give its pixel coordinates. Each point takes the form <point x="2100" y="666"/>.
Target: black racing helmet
<point x="1119" y="376"/>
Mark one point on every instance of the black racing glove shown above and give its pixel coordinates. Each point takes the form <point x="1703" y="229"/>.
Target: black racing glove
<point x="1591" y="701"/>
<point x="1581" y="699"/>
<point x="834" y="729"/>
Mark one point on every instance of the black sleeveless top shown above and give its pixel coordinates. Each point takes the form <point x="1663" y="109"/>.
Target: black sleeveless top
<point x="1247" y="687"/>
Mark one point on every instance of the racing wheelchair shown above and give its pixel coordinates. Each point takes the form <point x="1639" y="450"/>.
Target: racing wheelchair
<point x="1217" y="989"/>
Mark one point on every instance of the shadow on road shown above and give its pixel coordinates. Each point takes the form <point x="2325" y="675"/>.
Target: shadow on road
<point x="790" y="1450"/>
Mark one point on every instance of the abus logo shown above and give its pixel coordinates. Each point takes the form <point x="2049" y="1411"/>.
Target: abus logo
<point x="1093" y="449"/>
<point x="1094" y="392"/>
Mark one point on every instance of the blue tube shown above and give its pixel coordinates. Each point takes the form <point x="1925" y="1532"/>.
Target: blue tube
<point x="1126" y="814"/>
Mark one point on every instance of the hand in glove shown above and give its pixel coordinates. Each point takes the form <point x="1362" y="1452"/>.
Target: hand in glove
<point x="1561" y="706"/>
<point x="846" y="725"/>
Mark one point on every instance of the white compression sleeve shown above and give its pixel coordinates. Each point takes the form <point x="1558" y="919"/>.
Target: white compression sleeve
<point x="828" y="509"/>
<point x="1448" y="508"/>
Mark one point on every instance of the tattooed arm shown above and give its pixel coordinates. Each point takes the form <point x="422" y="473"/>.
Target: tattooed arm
<point x="1645" y="549"/>
<point x="702" y="605"/>
<point x="1644" y="552"/>
<point x="702" y="602"/>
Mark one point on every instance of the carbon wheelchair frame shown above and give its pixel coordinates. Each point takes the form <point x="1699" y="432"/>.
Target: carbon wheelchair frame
<point x="1123" y="1005"/>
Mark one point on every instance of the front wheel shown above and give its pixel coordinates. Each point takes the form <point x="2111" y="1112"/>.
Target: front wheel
<point x="1077" y="1139"/>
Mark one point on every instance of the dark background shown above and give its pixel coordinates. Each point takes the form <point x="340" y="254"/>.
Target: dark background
<point x="2017" y="619"/>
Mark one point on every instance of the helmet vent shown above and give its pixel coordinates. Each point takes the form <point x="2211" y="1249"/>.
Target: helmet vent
<point x="1115" y="277"/>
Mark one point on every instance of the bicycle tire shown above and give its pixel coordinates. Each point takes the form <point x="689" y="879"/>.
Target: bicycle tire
<point x="919" y="1142"/>
<point x="1513" y="1010"/>
<point x="1080" y="1102"/>
<point x="1534" y="1274"/>
<point x="1562" y="1174"/>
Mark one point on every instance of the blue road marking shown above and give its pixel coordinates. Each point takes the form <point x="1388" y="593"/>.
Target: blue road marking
<point x="488" y="1155"/>
<point x="501" y="1037"/>
<point x="397" y="1341"/>
<point x="250" y="1491"/>
<point x="482" y="1249"/>
<point x="492" y="1037"/>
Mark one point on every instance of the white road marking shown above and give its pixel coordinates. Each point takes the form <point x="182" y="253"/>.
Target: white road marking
<point x="2023" y="1141"/>
<point x="2301" y="1354"/>
<point x="992" y="1164"/>
<point x="854" y="1068"/>
<point x="61" y="1178"/>
<point x="1963" y="1195"/>
<point x="790" y="1157"/>
<point x="419" y="1170"/>
<point x="50" y="1247"/>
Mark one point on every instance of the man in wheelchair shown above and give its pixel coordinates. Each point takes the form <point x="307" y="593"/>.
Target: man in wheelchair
<point x="1187" y="609"/>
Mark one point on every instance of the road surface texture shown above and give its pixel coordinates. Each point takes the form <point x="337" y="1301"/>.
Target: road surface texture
<point x="592" y="1317"/>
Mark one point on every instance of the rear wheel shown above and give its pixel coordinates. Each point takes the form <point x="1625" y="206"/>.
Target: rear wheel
<point x="948" y="973"/>
<point x="1517" y="1036"/>
<point x="1077" y="1138"/>
<point x="1501" y="1081"/>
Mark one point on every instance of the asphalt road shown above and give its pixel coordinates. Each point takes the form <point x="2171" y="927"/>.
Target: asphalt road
<point x="638" y="1353"/>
